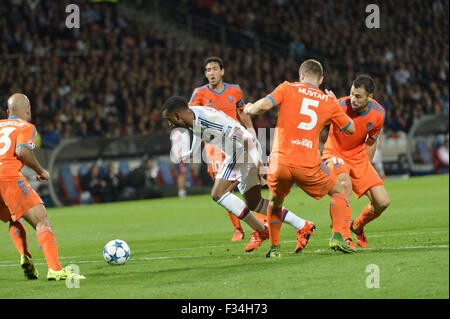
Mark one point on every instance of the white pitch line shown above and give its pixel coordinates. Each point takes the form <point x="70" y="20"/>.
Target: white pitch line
<point x="201" y="256"/>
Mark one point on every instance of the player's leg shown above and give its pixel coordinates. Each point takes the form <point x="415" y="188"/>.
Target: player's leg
<point x="215" y="163"/>
<point x="222" y="194"/>
<point x="366" y="181"/>
<point x="379" y="201"/>
<point x="259" y="205"/>
<point x="181" y="179"/>
<point x="36" y="216"/>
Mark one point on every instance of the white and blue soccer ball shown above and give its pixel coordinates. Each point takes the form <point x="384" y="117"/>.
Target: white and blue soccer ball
<point x="116" y="252"/>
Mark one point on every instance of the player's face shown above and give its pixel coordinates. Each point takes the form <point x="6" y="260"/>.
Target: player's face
<point x="174" y="119"/>
<point x="359" y="98"/>
<point x="213" y="73"/>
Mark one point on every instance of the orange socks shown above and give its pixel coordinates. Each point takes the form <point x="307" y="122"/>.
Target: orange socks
<point x="346" y="233"/>
<point x="275" y="219"/>
<point x="262" y="218"/>
<point x="235" y="221"/>
<point x="47" y="242"/>
<point x="366" y="216"/>
<point x="338" y="212"/>
<point x="19" y="237"/>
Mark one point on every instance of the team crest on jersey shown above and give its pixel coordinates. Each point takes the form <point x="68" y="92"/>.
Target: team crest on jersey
<point x="369" y="126"/>
<point x="31" y="144"/>
<point x="230" y="98"/>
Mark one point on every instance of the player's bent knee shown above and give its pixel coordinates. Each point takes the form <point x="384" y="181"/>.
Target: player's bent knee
<point x="381" y="205"/>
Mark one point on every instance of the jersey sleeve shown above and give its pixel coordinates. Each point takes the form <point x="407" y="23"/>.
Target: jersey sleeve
<point x="240" y="99"/>
<point x="375" y="131"/>
<point x="277" y="95"/>
<point x="339" y="117"/>
<point x="195" y="98"/>
<point x="27" y="137"/>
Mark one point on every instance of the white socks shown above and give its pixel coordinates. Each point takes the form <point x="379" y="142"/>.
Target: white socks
<point x="288" y="217"/>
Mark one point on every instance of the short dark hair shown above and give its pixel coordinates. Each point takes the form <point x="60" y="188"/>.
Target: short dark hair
<point x="174" y="104"/>
<point x="312" y="67"/>
<point x="213" y="59"/>
<point x="365" y="81"/>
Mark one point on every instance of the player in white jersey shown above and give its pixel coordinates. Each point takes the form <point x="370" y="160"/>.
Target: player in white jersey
<point x="240" y="168"/>
<point x="180" y="144"/>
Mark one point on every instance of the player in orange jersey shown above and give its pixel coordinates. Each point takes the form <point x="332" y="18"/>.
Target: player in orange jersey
<point x="303" y="111"/>
<point x="227" y="98"/>
<point x="17" y="199"/>
<point x="352" y="155"/>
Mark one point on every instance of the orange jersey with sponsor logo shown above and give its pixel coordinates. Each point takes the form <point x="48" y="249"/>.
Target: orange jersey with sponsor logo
<point x="14" y="132"/>
<point x="229" y="100"/>
<point x="367" y="125"/>
<point x="303" y="112"/>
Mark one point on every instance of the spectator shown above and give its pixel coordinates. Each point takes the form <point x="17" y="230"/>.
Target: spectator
<point x="443" y="154"/>
<point x="113" y="183"/>
<point x="94" y="184"/>
<point x="143" y="181"/>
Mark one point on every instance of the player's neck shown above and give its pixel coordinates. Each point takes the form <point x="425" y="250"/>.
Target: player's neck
<point x="218" y="87"/>
<point x="363" y="109"/>
<point x="310" y="82"/>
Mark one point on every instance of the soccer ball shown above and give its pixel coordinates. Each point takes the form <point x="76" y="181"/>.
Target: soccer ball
<point x="116" y="252"/>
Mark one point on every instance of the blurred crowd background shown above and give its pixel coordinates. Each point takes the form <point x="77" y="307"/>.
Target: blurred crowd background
<point x="110" y="77"/>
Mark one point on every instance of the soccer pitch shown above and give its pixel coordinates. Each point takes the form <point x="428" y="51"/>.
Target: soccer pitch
<point x="181" y="249"/>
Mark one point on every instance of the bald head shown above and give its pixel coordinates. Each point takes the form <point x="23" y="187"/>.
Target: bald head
<point x="19" y="105"/>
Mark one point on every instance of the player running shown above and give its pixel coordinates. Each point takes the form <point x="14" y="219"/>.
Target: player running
<point x="240" y="167"/>
<point x="17" y="198"/>
<point x="303" y="111"/>
<point x="227" y="98"/>
<point x="352" y="155"/>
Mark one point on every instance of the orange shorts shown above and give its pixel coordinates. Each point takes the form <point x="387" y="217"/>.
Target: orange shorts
<point x="316" y="181"/>
<point x="215" y="159"/>
<point x="16" y="198"/>
<point x="361" y="171"/>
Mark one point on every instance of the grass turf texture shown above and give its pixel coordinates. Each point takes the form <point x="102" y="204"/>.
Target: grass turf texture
<point x="181" y="249"/>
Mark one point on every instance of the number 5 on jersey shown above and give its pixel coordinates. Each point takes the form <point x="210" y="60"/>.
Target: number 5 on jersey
<point x="305" y="110"/>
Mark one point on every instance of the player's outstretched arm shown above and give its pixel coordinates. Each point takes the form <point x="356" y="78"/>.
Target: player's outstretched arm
<point x="27" y="157"/>
<point x="259" y="107"/>
<point x="247" y="121"/>
<point x="331" y="94"/>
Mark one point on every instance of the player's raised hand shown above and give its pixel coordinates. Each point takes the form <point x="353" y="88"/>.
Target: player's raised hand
<point x="43" y="176"/>
<point x="210" y="104"/>
<point x="331" y="94"/>
<point x="247" y="108"/>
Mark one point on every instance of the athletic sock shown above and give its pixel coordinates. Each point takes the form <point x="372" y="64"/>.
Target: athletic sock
<point x="288" y="217"/>
<point x="234" y="220"/>
<point x="47" y="242"/>
<point x="275" y="219"/>
<point x="18" y="235"/>
<point x="292" y="219"/>
<point x="237" y="207"/>
<point x="346" y="233"/>
<point x="338" y="211"/>
<point x="364" y="218"/>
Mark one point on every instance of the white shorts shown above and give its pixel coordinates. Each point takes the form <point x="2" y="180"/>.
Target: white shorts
<point x="245" y="173"/>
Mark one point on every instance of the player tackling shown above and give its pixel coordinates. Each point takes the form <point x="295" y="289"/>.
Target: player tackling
<point x="352" y="155"/>
<point x="240" y="167"/>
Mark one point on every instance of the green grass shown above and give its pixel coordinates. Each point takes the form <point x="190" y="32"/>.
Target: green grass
<point x="182" y="249"/>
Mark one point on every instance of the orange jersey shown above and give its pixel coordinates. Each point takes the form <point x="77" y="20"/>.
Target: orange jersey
<point x="14" y="132"/>
<point x="229" y="100"/>
<point x="367" y="125"/>
<point x="303" y="112"/>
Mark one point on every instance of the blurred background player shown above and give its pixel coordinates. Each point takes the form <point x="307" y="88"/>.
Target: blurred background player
<point x="229" y="99"/>
<point x="180" y="144"/>
<point x="352" y="155"/>
<point x="17" y="198"/>
<point x="377" y="161"/>
<point x="303" y="111"/>
<point x="239" y="169"/>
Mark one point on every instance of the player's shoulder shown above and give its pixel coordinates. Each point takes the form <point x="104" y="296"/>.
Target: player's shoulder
<point x="378" y="108"/>
<point x="233" y="86"/>
<point x="200" y="88"/>
<point x="344" y="101"/>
